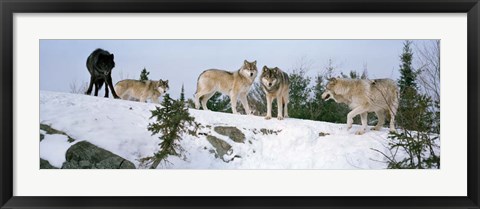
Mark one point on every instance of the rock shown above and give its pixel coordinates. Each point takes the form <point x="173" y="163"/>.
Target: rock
<point x="44" y="164"/>
<point x="323" y="134"/>
<point x="265" y="131"/>
<point x="49" y="130"/>
<point x="234" y="133"/>
<point x="221" y="147"/>
<point x="84" y="155"/>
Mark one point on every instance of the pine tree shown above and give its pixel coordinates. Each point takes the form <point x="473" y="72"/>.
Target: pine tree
<point x="416" y="119"/>
<point x="408" y="75"/>
<point x="219" y="103"/>
<point x="410" y="102"/>
<point x="172" y="120"/>
<point x="299" y="94"/>
<point x="182" y="94"/>
<point x="144" y="75"/>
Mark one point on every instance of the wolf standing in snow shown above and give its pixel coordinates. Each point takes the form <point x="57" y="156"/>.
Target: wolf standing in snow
<point x="235" y="84"/>
<point x="141" y="90"/>
<point x="363" y="96"/>
<point x="100" y="64"/>
<point x="275" y="84"/>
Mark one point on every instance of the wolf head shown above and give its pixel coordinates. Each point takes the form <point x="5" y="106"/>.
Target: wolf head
<point x="330" y="90"/>
<point x="336" y="89"/>
<point x="105" y="63"/>
<point x="162" y="86"/>
<point x="249" y="69"/>
<point x="270" y="77"/>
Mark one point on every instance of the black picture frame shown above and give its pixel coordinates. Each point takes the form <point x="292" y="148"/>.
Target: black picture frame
<point x="9" y="7"/>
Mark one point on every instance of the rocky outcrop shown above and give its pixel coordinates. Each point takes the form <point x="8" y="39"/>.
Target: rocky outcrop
<point x="232" y="132"/>
<point x="84" y="155"/>
<point x="221" y="147"/>
<point x="44" y="164"/>
<point x="49" y="130"/>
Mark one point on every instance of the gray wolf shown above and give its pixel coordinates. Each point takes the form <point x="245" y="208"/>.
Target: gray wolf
<point x="363" y="96"/>
<point x="141" y="90"/>
<point x="234" y="84"/>
<point x="100" y="64"/>
<point x="275" y="84"/>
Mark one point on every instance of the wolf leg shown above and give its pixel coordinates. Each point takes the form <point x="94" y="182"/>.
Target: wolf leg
<point x="363" y="118"/>
<point x="205" y="99"/>
<point x="106" y="91"/>
<point x="352" y="114"/>
<point x="143" y="97"/>
<point x="233" y="102"/>
<point x="243" y="99"/>
<point x="269" y="107"/>
<point x="90" y="86"/>
<point x="155" y="99"/>
<point x="96" y="89"/>
<point x="109" y="84"/>
<point x="381" y="120"/>
<point x="285" y="107"/>
<point x="393" y="112"/>
<point x="279" y="108"/>
<point x="197" y="101"/>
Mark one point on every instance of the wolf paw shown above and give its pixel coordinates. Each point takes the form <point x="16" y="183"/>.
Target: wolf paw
<point x="268" y="117"/>
<point x="376" y="128"/>
<point x="280" y="117"/>
<point x="360" y="132"/>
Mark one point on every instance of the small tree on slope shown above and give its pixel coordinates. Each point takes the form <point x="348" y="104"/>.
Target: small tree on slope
<point x="144" y="75"/>
<point x="172" y="121"/>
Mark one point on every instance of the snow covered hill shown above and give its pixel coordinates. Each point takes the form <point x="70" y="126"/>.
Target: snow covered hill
<point x="121" y="128"/>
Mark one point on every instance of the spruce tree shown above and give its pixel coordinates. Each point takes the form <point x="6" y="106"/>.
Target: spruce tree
<point x="408" y="75"/>
<point x="409" y="103"/>
<point x="416" y="120"/>
<point x="144" y="75"/>
<point x="219" y="103"/>
<point x="299" y="94"/>
<point x="172" y="121"/>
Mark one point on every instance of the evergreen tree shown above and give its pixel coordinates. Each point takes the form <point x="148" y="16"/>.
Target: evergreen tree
<point x="408" y="75"/>
<point x="144" y="75"/>
<point x="299" y="94"/>
<point x="219" y="103"/>
<point x="172" y="120"/>
<point x="182" y="94"/>
<point x="411" y="103"/>
<point x="418" y="122"/>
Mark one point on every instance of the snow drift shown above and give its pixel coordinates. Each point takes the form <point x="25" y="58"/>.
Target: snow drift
<point x="121" y="128"/>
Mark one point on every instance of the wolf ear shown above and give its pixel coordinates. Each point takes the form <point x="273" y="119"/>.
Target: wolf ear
<point x="332" y="79"/>
<point x="245" y="62"/>
<point x="112" y="56"/>
<point x="265" y="68"/>
<point x="254" y="62"/>
<point x="276" y="69"/>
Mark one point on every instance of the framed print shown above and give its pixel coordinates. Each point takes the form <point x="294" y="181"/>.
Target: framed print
<point x="160" y="104"/>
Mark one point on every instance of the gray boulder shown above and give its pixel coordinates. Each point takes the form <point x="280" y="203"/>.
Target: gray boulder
<point x="44" y="164"/>
<point x="221" y="147"/>
<point x="84" y="155"/>
<point x="234" y="133"/>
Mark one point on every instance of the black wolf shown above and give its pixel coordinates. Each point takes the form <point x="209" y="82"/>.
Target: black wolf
<point x="100" y="64"/>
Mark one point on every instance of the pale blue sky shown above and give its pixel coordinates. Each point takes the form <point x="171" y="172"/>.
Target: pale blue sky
<point x="181" y="61"/>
